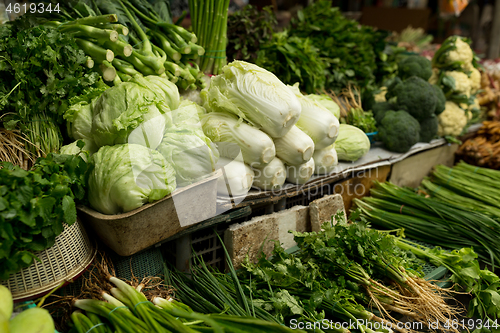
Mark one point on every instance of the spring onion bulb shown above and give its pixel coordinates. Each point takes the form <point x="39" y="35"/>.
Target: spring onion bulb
<point x="300" y="174"/>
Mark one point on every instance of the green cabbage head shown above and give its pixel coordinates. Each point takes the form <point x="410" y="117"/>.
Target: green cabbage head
<point x="124" y="177"/>
<point x="129" y="106"/>
<point x="351" y="144"/>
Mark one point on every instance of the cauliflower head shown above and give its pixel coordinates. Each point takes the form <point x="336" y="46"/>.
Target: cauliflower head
<point x="462" y="52"/>
<point x="474" y="77"/>
<point x="463" y="84"/>
<point x="452" y="121"/>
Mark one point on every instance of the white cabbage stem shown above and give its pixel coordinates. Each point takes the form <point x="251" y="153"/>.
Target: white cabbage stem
<point x="300" y="174"/>
<point x="296" y="147"/>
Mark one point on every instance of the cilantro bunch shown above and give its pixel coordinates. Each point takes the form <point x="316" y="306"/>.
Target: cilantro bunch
<point x="355" y="53"/>
<point x="41" y="68"/>
<point x="33" y="206"/>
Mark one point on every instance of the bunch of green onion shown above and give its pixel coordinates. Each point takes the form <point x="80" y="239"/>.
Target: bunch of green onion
<point x="209" y="21"/>
<point x="445" y="221"/>
<point x="127" y="310"/>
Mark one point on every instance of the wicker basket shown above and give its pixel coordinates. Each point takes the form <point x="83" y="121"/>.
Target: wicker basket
<point x="71" y="254"/>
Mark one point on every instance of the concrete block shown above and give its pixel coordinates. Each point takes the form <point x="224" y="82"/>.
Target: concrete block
<point x="246" y="239"/>
<point x="321" y="210"/>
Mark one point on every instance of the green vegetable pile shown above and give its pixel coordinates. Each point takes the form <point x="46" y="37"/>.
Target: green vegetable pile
<point x="41" y="68"/>
<point x="355" y="54"/>
<point x="34" y="205"/>
<point x="126" y="38"/>
<point x="342" y="272"/>
<point x="410" y="112"/>
<point x="247" y="31"/>
<point x="294" y="59"/>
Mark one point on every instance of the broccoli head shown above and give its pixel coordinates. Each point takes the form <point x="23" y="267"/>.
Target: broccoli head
<point x="416" y="96"/>
<point x="441" y="99"/>
<point x="399" y="131"/>
<point x="415" y="65"/>
<point x="428" y="129"/>
<point x="379" y="110"/>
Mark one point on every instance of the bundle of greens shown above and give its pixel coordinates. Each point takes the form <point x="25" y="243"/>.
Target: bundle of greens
<point x="33" y="206"/>
<point x="355" y="54"/>
<point x="294" y="59"/>
<point x="483" y="284"/>
<point x="131" y="37"/>
<point x="40" y="69"/>
<point x="445" y="223"/>
<point x="247" y="30"/>
<point x="128" y="309"/>
<point x="351" y="110"/>
<point x="338" y="269"/>
<point x="209" y="21"/>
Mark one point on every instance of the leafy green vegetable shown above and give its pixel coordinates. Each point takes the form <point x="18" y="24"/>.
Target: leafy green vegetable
<point x="125" y="177"/>
<point x="294" y="59"/>
<point x="41" y="69"/>
<point x="247" y="30"/>
<point x="483" y="284"/>
<point x="355" y="54"/>
<point x="34" y="204"/>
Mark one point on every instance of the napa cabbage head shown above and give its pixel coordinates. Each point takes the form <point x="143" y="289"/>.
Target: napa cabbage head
<point x="124" y="177"/>
<point x="327" y="102"/>
<point x="126" y="107"/>
<point x="316" y="121"/>
<point x="232" y="136"/>
<point x="255" y="95"/>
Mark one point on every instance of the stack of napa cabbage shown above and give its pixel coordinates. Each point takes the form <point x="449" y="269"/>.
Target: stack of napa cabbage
<point x="142" y="143"/>
<point x="270" y="129"/>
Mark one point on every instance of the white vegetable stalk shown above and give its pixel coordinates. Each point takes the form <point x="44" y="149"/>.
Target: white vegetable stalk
<point x="296" y="147"/>
<point x="255" y="95"/>
<point x="325" y="160"/>
<point x="257" y="148"/>
<point x="316" y="121"/>
<point x="237" y="177"/>
<point x="271" y="177"/>
<point x="300" y="174"/>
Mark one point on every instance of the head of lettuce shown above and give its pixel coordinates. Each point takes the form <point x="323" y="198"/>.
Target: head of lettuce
<point x="142" y="103"/>
<point x="124" y="177"/>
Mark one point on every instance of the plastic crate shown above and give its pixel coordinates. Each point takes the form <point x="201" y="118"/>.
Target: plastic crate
<point x="305" y="199"/>
<point x="204" y="242"/>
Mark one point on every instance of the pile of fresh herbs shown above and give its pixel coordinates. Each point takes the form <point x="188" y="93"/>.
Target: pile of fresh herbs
<point x="40" y="70"/>
<point x="34" y="205"/>
<point x="294" y="59"/>
<point x="355" y="53"/>
<point x="342" y="265"/>
<point x="247" y="30"/>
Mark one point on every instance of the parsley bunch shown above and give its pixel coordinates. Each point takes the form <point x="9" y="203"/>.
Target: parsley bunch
<point x="33" y="206"/>
<point x="40" y="70"/>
